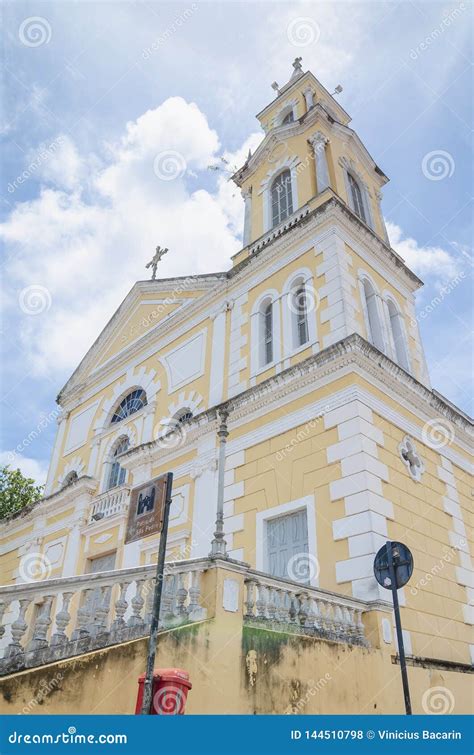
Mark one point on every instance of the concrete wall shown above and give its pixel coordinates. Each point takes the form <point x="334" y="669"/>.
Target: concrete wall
<point x="241" y="669"/>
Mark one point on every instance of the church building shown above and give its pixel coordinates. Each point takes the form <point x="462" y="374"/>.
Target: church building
<point x="290" y="398"/>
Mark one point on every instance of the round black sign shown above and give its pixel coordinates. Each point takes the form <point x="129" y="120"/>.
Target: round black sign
<point x="402" y="565"/>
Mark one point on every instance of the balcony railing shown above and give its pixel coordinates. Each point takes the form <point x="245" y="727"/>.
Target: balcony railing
<point x="42" y="622"/>
<point x="107" y="504"/>
<point x="303" y="609"/>
<point x="59" y="618"/>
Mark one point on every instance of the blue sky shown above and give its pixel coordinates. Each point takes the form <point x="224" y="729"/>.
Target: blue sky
<point x="94" y="92"/>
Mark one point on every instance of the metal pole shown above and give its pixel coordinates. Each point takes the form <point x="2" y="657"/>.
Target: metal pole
<point x="219" y="545"/>
<point x="155" y="615"/>
<point x="398" y="625"/>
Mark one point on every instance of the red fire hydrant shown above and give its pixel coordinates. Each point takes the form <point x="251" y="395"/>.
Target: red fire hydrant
<point x="170" y="691"/>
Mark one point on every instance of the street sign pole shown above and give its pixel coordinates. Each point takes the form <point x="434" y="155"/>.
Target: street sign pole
<point x="398" y="625"/>
<point x="160" y="567"/>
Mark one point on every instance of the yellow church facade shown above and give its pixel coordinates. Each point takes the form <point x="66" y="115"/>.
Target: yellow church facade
<point x="292" y="394"/>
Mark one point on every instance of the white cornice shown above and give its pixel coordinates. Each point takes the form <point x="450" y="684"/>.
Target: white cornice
<point x="303" y="227"/>
<point x="318" y="114"/>
<point x="307" y="77"/>
<point x="352" y="354"/>
<point x="183" y="284"/>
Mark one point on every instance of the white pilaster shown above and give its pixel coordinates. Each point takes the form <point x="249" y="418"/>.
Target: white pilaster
<point x="319" y="141"/>
<point x="247" y="196"/>
<point x="338" y="303"/>
<point x="364" y="525"/>
<point x="216" y="389"/>
<point x="62" y="422"/>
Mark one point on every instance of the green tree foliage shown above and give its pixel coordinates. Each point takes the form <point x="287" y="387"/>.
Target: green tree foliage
<point x="16" y="491"/>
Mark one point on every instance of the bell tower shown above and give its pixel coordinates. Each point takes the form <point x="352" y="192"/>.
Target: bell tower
<point x="312" y="164"/>
<point x="309" y="151"/>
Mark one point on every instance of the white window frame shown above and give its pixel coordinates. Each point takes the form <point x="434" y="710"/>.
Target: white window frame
<point x="363" y="276"/>
<point x="349" y="168"/>
<point x="256" y="365"/>
<point x="290" y="164"/>
<point x="287" y="107"/>
<point x="305" y="276"/>
<point x="387" y="300"/>
<point x="307" y="503"/>
<point x="108" y="456"/>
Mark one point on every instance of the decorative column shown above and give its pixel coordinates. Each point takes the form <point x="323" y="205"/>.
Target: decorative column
<point x="247" y="196"/>
<point x="219" y="545"/>
<point x="95" y="445"/>
<point x="309" y="98"/>
<point x="61" y="422"/>
<point x="149" y="417"/>
<point x="378" y="197"/>
<point x="318" y="141"/>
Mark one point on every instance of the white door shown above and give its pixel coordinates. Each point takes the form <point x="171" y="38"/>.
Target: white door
<point x="287" y="547"/>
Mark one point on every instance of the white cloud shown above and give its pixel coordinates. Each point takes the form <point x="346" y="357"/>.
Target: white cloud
<point x="37" y="470"/>
<point x="62" y="165"/>
<point x="89" y="245"/>
<point x="423" y="260"/>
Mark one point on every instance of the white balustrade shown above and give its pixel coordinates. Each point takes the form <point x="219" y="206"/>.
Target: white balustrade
<point x="303" y="609"/>
<point x="107" y="504"/>
<point x="60" y="618"/>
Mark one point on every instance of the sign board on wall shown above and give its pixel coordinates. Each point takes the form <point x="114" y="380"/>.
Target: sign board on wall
<point x="147" y="503"/>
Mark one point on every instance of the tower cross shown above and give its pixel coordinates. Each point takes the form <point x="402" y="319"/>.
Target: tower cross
<point x="159" y="253"/>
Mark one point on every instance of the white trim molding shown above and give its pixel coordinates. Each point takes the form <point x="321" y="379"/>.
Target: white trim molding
<point x="257" y="363"/>
<point x="305" y="277"/>
<point x="349" y="167"/>
<point x="144" y="379"/>
<point x="307" y="503"/>
<point x="291" y="164"/>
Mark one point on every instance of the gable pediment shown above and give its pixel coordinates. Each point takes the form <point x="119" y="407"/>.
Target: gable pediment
<point x="150" y="307"/>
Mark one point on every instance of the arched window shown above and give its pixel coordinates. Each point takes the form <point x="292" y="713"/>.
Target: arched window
<point x="183" y="415"/>
<point x="356" y="197"/>
<point x="396" y="327"/>
<point x="70" y="478"/>
<point x="266" y="333"/>
<point x="117" y="473"/>
<point x="289" y="118"/>
<point x="132" y="403"/>
<point x="374" y="326"/>
<point x="282" y="201"/>
<point x="301" y="315"/>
